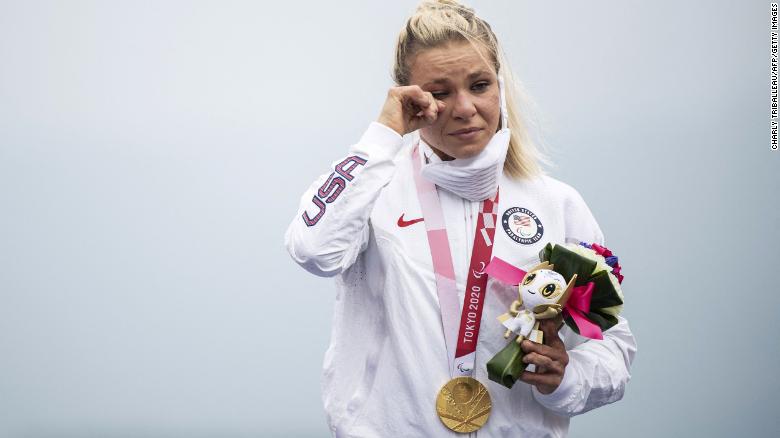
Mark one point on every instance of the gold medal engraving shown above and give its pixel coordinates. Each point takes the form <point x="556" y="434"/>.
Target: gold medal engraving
<point x="463" y="404"/>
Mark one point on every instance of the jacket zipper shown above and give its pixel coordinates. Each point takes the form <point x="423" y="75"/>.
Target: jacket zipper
<point x="466" y="222"/>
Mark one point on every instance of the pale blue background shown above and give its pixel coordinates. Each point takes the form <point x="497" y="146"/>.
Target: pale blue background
<point x="152" y="154"/>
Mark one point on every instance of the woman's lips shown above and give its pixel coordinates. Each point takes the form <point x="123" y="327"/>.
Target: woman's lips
<point x="468" y="135"/>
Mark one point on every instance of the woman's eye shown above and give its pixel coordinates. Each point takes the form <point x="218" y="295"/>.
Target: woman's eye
<point x="481" y="86"/>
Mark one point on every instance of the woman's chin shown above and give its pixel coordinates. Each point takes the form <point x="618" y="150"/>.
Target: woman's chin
<point x="467" y="151"/>
<point x="462" y="151"/>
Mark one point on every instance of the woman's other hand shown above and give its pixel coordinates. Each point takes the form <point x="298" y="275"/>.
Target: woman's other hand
<point x="409" y="108"/>
<point x="550" y="357"/>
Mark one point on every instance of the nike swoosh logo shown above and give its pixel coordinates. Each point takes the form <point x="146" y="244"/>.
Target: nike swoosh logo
<point x="402" y="223"/>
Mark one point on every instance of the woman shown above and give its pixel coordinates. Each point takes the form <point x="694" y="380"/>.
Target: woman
<point x="467" y="177"/>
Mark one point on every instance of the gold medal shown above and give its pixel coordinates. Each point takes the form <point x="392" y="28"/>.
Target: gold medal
<point x="463" y="404"/>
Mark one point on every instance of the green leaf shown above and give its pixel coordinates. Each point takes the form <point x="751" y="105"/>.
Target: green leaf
<point x="507" y="365"/>
<point x="568" y="263"/>
<point x="604" y="294"/>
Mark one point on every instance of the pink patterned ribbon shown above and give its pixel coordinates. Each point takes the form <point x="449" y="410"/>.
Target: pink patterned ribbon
<point x="577" y="306"/>
<point x="461" y="350"/>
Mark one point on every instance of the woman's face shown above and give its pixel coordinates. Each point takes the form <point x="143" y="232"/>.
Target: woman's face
<point x="455" y="74"/>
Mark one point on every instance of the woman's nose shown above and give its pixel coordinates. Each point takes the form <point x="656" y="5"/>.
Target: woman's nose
<point x="464" y="106"/>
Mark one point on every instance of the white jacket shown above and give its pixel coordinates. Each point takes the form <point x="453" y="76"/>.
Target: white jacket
<point x="387" y="356"/>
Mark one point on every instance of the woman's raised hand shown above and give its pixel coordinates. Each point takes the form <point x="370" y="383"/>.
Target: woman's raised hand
<point x="409" y="108"/>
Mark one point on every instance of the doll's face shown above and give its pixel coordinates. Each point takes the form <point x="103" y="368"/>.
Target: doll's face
<point x="543" y="286"/>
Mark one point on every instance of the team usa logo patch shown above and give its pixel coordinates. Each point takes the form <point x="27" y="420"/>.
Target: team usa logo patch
<point x="522" y="225"/>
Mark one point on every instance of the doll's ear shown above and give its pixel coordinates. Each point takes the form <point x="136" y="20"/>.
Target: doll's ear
<point x="567" y="292"/>
<point x="544" y="265"/>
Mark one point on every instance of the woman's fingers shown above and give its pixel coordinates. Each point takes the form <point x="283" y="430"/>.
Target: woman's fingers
<point x="407" y="108"/>
<point x="427" y="105"/>
<point x="545" y="350"/>
<point x="421" y="102"/>
<point x="543" y="363"/>
<point x="550" y="329"/>
<point x="550" y="358"/>
<point x="418" y="96"/>
<point x="435" y="108"/>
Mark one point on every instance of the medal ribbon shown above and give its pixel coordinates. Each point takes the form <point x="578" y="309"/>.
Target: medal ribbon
<point x="461" y="350"/>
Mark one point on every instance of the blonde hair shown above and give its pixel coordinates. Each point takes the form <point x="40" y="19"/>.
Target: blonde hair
<point x="439" y="22"/>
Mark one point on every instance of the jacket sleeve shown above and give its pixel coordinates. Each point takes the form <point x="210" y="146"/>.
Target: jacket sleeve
<point x="598" y="370"/>
<point x="331" y="226"/>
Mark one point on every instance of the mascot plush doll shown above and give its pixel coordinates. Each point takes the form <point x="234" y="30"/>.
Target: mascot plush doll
<point x="581" y="281"/>
<point x="542" y="295"/>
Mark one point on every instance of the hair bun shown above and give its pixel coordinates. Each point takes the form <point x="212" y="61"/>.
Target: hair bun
<point x="437" y="5"/>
